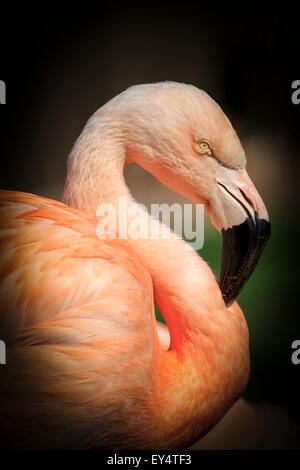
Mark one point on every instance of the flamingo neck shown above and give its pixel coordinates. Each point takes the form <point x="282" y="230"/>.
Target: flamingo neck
<point x="209" y="343"/>
<point x="96" y="176"/>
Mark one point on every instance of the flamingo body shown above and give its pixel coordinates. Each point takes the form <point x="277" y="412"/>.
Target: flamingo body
<point x="57" y="276"/>
<point x="83" y="352"/>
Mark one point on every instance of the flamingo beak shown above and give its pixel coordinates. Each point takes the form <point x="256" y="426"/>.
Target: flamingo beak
<point x="239" y="213"/>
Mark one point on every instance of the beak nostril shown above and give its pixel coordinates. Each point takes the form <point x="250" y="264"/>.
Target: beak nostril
<point x="238" y="198"/>
<point x="247" y="199"/>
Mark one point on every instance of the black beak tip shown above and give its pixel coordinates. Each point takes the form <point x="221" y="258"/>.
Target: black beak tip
<point x="242" y="247"/>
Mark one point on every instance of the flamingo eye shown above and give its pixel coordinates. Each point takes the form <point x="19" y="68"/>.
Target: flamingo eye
<point x="205" y="147"/>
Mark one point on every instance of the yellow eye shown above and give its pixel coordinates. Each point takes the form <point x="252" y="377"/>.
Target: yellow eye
<point x="204" y="147"/>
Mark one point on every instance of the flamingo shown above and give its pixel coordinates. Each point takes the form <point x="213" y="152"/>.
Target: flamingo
<point x="87" y="364"/>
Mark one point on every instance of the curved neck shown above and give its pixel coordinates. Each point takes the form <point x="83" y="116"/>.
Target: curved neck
<point x="209" y="343"/>
<point x="96" y="176"/>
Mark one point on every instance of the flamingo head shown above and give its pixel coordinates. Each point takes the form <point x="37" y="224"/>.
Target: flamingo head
<point x="180" y="134"/>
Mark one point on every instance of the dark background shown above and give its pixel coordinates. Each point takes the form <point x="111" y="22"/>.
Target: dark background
<point x="60" y="64"/>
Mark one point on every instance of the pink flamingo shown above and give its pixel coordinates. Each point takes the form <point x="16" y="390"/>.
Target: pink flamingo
<point x="87" y="366"/>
